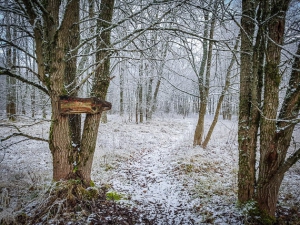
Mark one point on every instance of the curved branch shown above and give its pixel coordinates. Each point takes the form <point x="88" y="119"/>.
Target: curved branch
<point x="289" y="162"/>
<point x="24" y="135"/>
<point x="10" y="43"/>
<point x="4" y="71"/>
<point x="193" y="95"/>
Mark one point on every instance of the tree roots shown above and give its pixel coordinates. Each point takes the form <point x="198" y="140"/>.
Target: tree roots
<point x="68" y="202"/>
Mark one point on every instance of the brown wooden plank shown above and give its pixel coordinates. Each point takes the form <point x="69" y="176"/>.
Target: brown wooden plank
<point x="74" y="105"/>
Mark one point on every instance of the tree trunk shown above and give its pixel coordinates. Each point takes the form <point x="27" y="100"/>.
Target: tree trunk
<point x="70" y="78"/>
<point x="10" y="81"/>
<point x="219" y="104"/>
<point x="60" y="144"/>
<point x="137" y="107"/>
<point x="204" y="83"/>
<point x="246" y="174"/>
<point x="275" y="134"/>
<point x="56" y="69"/>
<point x="200" y="123"/>
<point x="149" y="99"/>
<point x="121" y="71"/>
<point x="99" y="89"/>
<point x="142" y="69"/>
<point x="60" y="141"/>
<point x="141" y="112"/>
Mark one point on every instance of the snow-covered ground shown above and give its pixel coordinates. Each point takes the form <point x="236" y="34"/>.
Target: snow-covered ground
<point x="153" y="165"/>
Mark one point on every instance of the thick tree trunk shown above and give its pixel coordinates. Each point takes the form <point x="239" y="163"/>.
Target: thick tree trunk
<point x="70" y="79"/>
<point x="267" y="196"/>
<point x="246" y="174"/>
<point x="60" y="144"/>
<point x="64" y="137"/>
<point x="273" y="144"/>
<point x="56" y="69"/>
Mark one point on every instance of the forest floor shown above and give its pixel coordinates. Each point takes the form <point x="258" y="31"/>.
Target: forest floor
<point x="151" y="173"/>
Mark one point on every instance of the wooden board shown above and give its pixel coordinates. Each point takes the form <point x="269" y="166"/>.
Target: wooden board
<point x="74" y="105"/>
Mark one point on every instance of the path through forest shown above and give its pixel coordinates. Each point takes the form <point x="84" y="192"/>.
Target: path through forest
<point x="149" y="177"/>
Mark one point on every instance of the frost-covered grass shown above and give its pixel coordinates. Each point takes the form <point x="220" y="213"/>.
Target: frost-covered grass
<point x="153" y="166"/>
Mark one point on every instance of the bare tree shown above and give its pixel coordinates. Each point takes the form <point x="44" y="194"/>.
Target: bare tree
<point x="221" y="98"/>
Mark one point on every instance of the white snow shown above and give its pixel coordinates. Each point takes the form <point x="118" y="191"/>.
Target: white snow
<point x="153" y="165"/>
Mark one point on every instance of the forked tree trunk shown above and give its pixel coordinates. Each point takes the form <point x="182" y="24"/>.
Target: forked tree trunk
<point x="70" y="160"/>
<point x="276" y="141"/>
<point x="204" y="82"/>
<point x="275" y="130"/>
<point x="267" y="191"/>
<point x="64" y="138"/>
<point x="219" y="104"/>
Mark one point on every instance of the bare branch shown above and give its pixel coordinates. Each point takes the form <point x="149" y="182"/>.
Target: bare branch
<point x="289" y="162"/>
<point x="23" y="135"/>
<point x="174" y="86"/>
<point x="16" y="46"/>
<point x="4" y="71"/>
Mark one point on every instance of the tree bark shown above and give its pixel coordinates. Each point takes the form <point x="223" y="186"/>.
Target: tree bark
<point x="71" y="160"/>
<point x="99" y="89"/>
<point x="10" y="81"/>
<point x="70" y="79"/>
<point x="200" y="123"/>
<point x="246" y="174"/>
<point x="276" y="134"/>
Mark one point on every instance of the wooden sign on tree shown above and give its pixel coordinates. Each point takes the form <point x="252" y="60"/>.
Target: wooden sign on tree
<point x="74" y="105"/>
